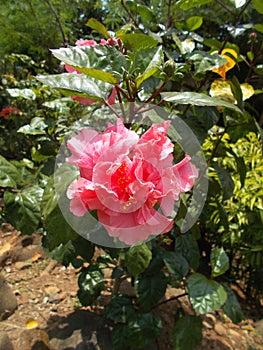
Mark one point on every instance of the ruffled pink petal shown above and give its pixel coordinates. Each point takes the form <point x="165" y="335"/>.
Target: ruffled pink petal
<point x="185" y="173"/>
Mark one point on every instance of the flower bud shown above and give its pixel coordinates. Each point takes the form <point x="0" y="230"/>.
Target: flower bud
<point x="169" y="68"/>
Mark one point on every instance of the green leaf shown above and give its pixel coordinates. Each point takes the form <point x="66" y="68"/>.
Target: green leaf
<point x="226" y="181"/>
<point x="183" y="328"/>
<point x="137" y="259"/>
<point x="259" y="27"/>
<point x="204" y="62"/>
<point x="219" y="262"/>
<point x="58" y="230"/>
<point x="239" y="3"/>
<point x="141" y="331"/>
<point x="150" y="288"/>
<point x="188" y="247"/>
<point x="23" y="208"/>
<point x="205" y="295"/>
<point x="71" y="84"/>
<point x="258" y="6"/>
<point x="197" y="99"/>
<point x="137" y="42"/>
<point x="91" y="283"/>
<point x="120" y="309"/>
<point x="102" y="62"/>
<point x="64" y="253"/>
<point x="98" y="26"/>
<point x="242" y="170"/>
<point x="194" y="23"/>
<point x="37" y="126"/>
<point x="8" y="173"/>
<point x="176" y="264"/>
<point x="28" y="94"/>
<point x="232" y="307"/>
<point x="236" y="91"/>
<point x="152" y="68"/>
<point x="189" y="4"/>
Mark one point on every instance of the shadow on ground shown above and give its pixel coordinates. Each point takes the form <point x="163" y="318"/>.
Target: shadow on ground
<point x="80" y="330"/>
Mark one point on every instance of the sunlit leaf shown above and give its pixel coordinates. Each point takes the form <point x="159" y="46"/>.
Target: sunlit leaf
<point x="71" y="84"/>
<point x="24" y="93"/>
<point x="98" y="26"/>
<point x="258" y="6"/>
<point x="205" y="295"/>
<point x="137" y="42"/>
<point x="194" y="23"/>
<point x="219" y="262"/>
<point x="137" y="259"/>
<point x="197" y="99"/>
<point x="8" y="173"/>
<point x="152" y="68"/>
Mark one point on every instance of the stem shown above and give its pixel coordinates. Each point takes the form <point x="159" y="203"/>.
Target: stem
<point x="58" y="21"/>
<point x="121" y="105"/>
<point x="168" y="20"/>
<point x="156" y="93"/>
<point x="172" y="298"/>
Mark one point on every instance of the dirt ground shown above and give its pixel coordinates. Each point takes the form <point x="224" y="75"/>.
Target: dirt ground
<point x="48" y="305"/>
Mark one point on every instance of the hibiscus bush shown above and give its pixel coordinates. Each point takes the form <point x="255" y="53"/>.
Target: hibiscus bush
<point x="143" y="158"/>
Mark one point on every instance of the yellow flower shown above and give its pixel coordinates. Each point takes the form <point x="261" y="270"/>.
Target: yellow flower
<point x="231" y="56"/>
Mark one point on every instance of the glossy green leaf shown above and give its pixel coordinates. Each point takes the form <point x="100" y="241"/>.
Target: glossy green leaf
<point x="258" y="6"/>
<point x="58" y="230"/>
<point x="176" y="264"/>
<point x="150" y="289"/>
<point x="204" y="62"/>
<point x="239" y="3"/>
<point x="219" y="262"/>
<point x="91" y="283"/>
<point x="98" y="26"/>
<point x="187" y="246"/>
<point x="232" y="307"/>
<point x="140" y="331"/>
<point x="197" y="99"/>
<point x="71" y="84"/>
<point x="8" y="173"/>
<point x="152" y="68"/>
<point x="102" y="62"/>
<point x="205" y="295"/>
<point x="259" y="27"/>
<point x="120" y="308"/>
<point x="64" y="253"/>
<point x="236" y="91"/>
<point x="137" y="259"/>
<point x="189" y="4"/>
<point x="137" y="42"/>
<point x="23" y="208"/>
<point x="194" y="23"/>
<point x="183" y="328"/>
<point x="37" y="126"/>
<point x="28" y="94"/>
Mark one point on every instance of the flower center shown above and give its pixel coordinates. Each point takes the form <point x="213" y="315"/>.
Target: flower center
<point x="120" y="182"/>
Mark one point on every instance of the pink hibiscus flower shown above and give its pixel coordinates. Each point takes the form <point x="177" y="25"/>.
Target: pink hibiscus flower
<point x="131" y="182"/>
<point x="82" y="42"/>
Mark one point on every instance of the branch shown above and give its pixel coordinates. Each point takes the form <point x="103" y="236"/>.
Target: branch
<point x="52" y="8"/>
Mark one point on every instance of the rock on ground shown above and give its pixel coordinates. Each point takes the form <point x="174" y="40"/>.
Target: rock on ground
<point x="8" y="302"/>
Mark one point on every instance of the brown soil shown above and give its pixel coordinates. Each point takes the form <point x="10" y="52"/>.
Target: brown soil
<point x="47" y="293"/>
